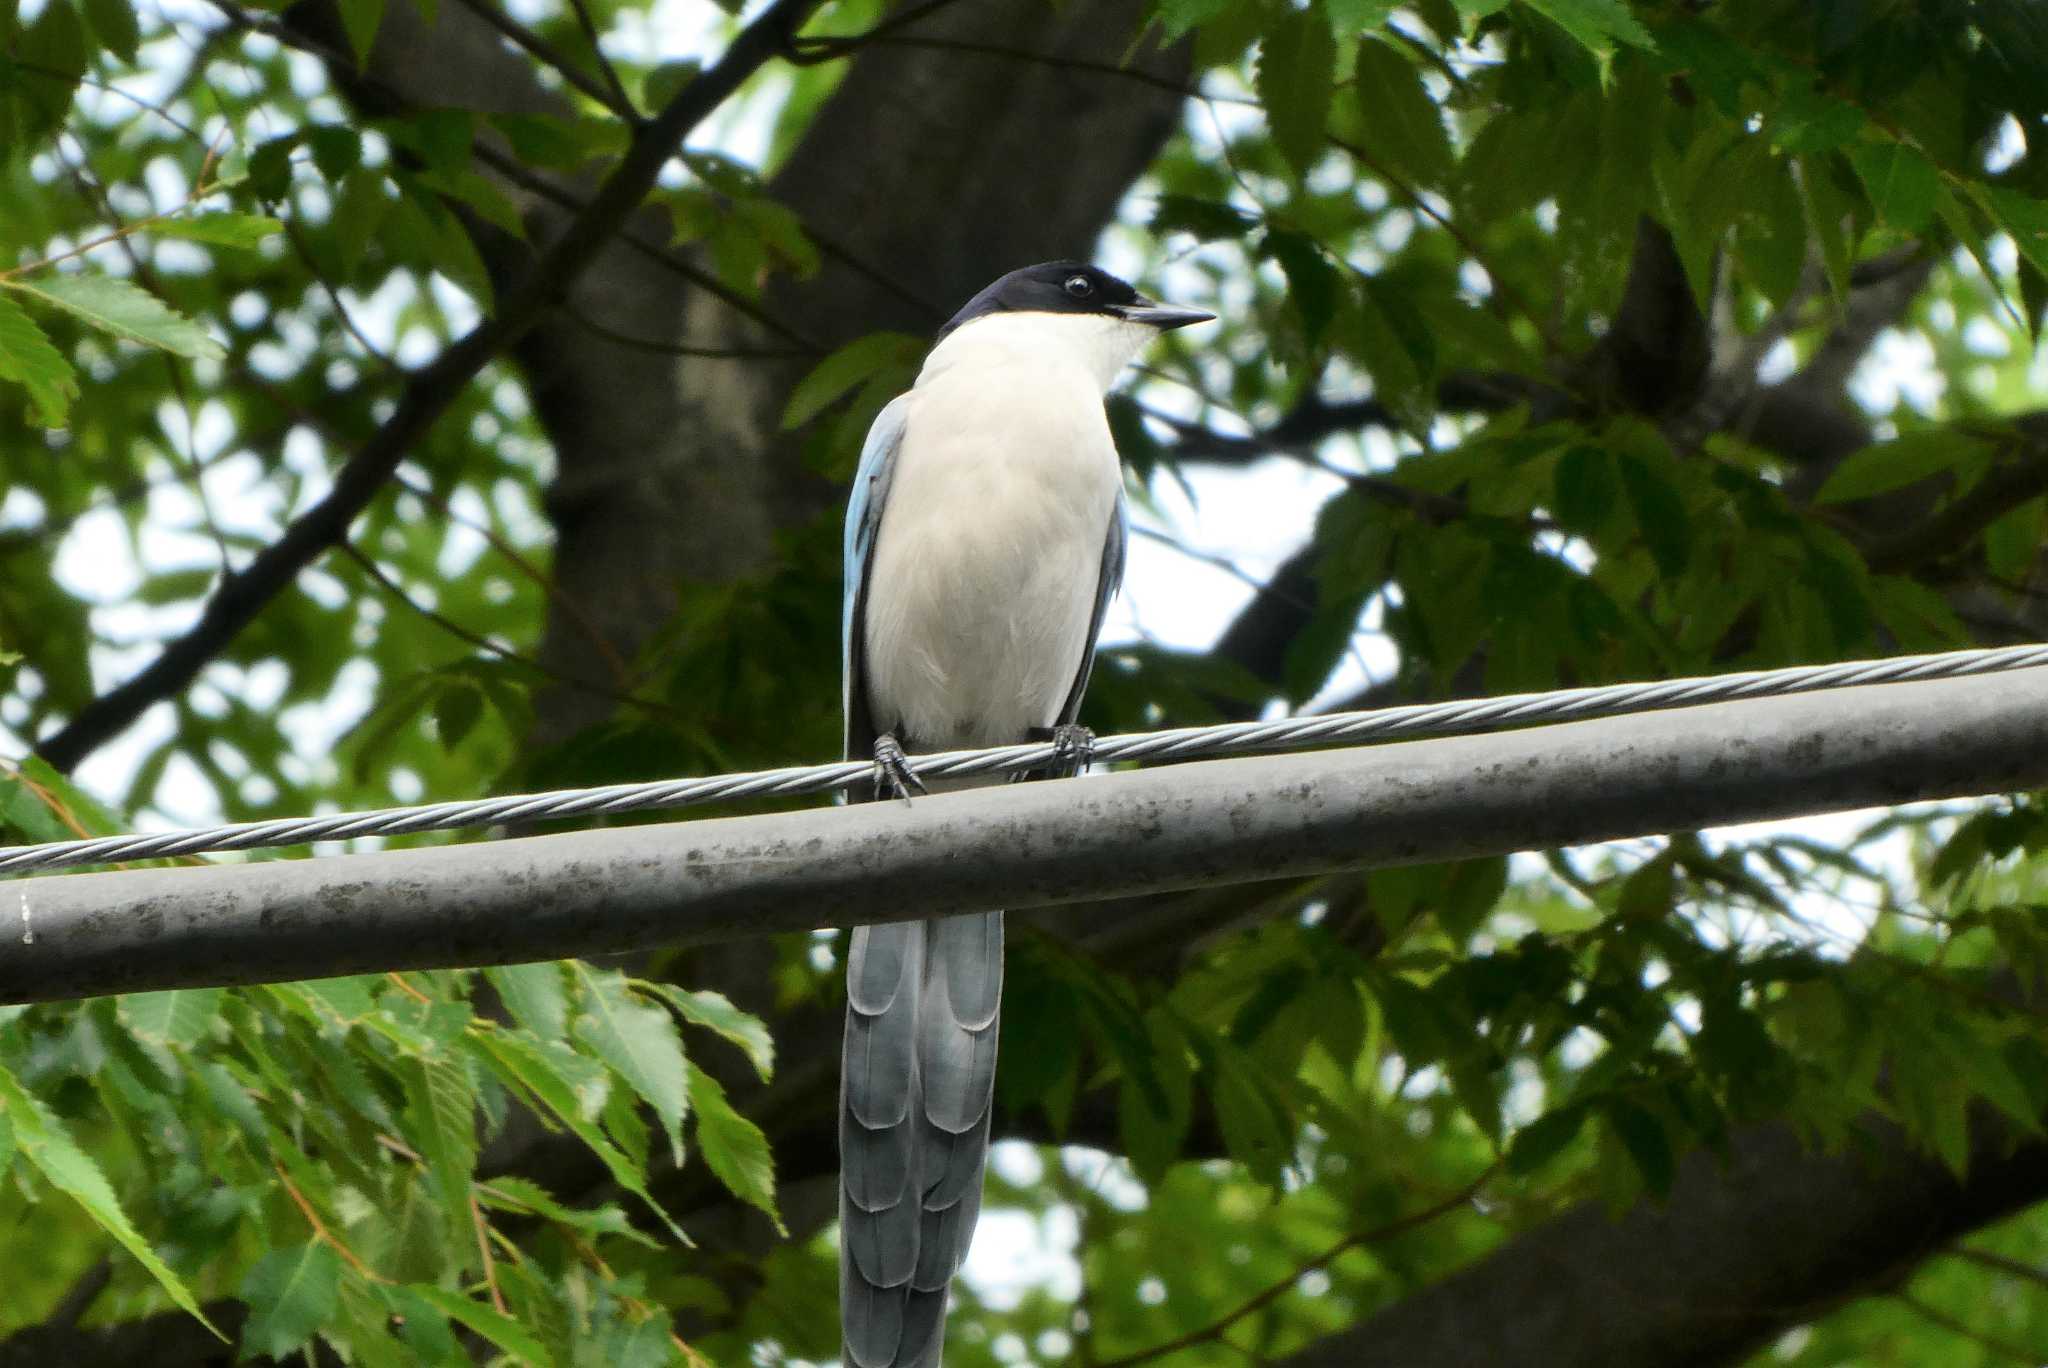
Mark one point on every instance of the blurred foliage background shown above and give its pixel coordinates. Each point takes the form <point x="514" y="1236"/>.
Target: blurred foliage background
<point x="1584" y="340"/>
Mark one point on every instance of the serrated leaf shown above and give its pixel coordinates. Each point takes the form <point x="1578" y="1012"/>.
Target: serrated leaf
<point x="536" y="995"/>
<point x="244" y="231"/>
<point x="1901" y="183"/>
<point x="1597" y="25"/>
<point x="124" y="310"/>
<point x="716" y="1012"/>
<point x="28" y="358"/>
<point x="501" y="1330"/>
<point x="442" y="1122"/>
<point x="851" y="365"/>
<point x="42" y="1140"/>
<point x="734" y="1147"/>
<point x="291" y="1294"/>
<point x="1901" y="461"/>
<point x="513" y="1193"/>
<point x="179" y="1017"/>
<point x="522" y="1061"/>
<point x="640" y="1043"/>
<point x="1403" y="125"/>
<point x="1296" y="77"/>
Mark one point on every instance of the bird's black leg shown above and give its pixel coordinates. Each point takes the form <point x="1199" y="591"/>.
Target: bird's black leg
<point x="1073" y="745"/>
<point x="893" y="778"/>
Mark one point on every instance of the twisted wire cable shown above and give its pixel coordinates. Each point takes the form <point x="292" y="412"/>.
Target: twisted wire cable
<point x="1181" y="743"/>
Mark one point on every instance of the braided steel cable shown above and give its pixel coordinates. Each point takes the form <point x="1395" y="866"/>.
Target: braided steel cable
<point x="1235" y="738"/>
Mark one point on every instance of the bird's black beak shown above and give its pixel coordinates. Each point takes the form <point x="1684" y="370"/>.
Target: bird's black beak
<point x="1162" y="316"/>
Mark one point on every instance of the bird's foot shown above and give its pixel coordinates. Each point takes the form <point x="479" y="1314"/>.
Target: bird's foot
<point x="1073" y="746"/>
<point x="893" y="778"/>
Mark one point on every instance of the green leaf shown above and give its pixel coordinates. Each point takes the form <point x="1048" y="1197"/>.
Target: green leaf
<point x="337" y="149"/>
<point x="1901" y="183"/>
<point x="1349" y="18"/>
<point x="2024" y="217"/>
<point x="1660" y="514"/>
<point x="548" y="1078"/>
<point x="1393" y="343"/>
<point x="113" y="21"/>
<point x="1209" y="220"/>
<point x="1899" y="462"/>
<point x="1810" y="120"/>
<point x="125" y="310"/>
<point x="27" y="358"/>
<point x="1585" y="489"/>
<point x="513" y="1193"/>
<point x="536" y="996"/>
<point x="1537" y="1143"/>
<point x="1643" y="1136"/>
<point x="360" y="20"/>
<point x="1254" y="1131"/>
<point x="716" y="1012"/>
<point x="501" y="1330"/>
<point x="243" y="231"/>
<point x="639" y="1041"/>
<point x="1296" y="77"/>
<point x="734" y="1147"/>
<point x="49" y="1148"/>
<point x="1403" y="125"/>
<point x="291" y="1293"/>
<point x="1176" y="17"/>
<point x="457" y="708"/>
<point x="180" y="1017"/>
<point x="1597" y="25"/>
<point x="1312" y="282"/>
<point x="850" y="366"/>
<point x="442" y="1122"/>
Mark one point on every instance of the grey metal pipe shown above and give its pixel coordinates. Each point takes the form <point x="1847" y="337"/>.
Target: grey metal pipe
<point x="1023" y="846"/>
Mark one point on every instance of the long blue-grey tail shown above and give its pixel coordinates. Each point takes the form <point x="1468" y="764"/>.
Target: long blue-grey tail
<point x="917" y="1086"/>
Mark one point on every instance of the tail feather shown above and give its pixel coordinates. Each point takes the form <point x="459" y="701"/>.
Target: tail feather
<point x="923" y="1007"/>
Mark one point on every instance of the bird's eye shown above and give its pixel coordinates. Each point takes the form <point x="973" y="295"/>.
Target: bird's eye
<point x="1080" y="286"/>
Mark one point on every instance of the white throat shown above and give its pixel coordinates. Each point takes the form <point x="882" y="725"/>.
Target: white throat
<point x="1100" y="344"/>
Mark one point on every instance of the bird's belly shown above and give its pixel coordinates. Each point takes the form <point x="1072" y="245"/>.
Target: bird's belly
<point x="983" y="590"/>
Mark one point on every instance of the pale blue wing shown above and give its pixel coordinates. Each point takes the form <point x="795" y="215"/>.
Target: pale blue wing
<point x="1107" y="583"/>
<point x="864" y="508"/>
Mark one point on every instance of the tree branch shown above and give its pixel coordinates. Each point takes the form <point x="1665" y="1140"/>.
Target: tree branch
<point x="1773" y="1234"/>
<point x="242" y="594"/>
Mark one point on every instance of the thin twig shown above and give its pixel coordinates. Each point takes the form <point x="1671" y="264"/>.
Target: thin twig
<point x="604" y="63"/>
<point x="826" y="47"/>
<point x="555" y="59"/>
<point x="320" y="1230"/>
<point x="1215" y="1330"/>
<point x="489" y="647"/>
<point x="483" y="1249"/>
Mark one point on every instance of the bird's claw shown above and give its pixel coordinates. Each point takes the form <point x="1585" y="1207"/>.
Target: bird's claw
<point x="893" y="777"/>
<point x="1073" y="746"/>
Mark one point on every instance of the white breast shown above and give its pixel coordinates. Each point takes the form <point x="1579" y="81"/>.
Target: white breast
<point x="990" y="547"/>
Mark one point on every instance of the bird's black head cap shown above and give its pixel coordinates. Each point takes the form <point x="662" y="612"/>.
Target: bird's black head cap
<point x="1051" y="287"/>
